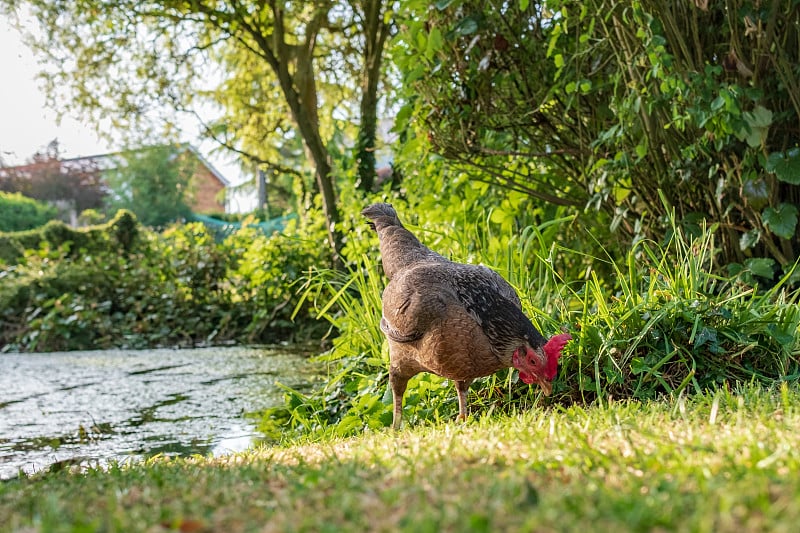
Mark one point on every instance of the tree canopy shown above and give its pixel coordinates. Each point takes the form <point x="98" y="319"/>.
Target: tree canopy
<point x="49" y="178"/>
<point x="154" y="183"/>
<point x="125" y="61"/>
<point x="632" y="109"/>
<point x="627" y="113"/>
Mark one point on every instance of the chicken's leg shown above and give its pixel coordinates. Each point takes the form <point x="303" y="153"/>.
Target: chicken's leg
<point x="461" y="388"/>
<point x="398" y="384"/>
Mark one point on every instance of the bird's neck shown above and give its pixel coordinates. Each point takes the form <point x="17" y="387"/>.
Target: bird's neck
<point x="400" y="249"/>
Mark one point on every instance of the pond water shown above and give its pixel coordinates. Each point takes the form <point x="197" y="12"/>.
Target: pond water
<point x="91" y="407"/>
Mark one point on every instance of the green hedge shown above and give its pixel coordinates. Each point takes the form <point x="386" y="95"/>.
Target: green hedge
<point x="19" y="213"/>
<point x="121" y="285"/>
<point x="119" y="234"/>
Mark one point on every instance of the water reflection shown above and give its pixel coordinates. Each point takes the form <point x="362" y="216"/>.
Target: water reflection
<point x="66" y="408"/>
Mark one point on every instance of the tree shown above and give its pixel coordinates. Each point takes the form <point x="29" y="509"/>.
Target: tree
<point x="153" y="183"/>
<point x="48" y="178"/>
<point x="122" y="59"/>
<point x="375" y="32"/>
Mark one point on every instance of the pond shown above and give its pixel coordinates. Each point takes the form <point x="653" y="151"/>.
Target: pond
<point x="91" y="407"/>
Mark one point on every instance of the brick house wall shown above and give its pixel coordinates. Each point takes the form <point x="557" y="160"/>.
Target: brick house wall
<point x="206" y="188"/>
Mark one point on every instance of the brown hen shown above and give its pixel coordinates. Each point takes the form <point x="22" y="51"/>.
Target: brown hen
<point x="455" y="320"/>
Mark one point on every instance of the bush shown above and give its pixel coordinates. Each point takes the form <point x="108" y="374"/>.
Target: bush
<point x="607" y="107"/>
<point x="61" y="240"/>
<point x="91" y="217"/>
<point x="268" y="275"/>
<point x="19" y="213"/>
<point x="119" y="285"/>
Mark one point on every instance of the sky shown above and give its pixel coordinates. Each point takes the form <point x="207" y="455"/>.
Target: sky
<point x="27" y="126"/>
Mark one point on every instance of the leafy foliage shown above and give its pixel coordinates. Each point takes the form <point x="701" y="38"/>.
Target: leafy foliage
<point x="609" y="106"/>
<point x="107" y="287"/>
<point x="669" y="323"/>
<point x="296" y="71"/>
<point x="662" y="323"/>
<point x="587" y="116"/>
<point x="118" y="235"/>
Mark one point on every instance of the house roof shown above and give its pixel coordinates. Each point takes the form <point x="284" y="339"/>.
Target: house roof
<point x="104" y="161"/>
<point x="111" y="160"/>
<point x="222" y="179"/>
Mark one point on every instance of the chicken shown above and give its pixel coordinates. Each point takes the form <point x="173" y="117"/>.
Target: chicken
<point x="455" y="320"/>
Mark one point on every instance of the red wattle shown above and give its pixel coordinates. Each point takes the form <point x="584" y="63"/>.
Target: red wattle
<point x="526" y="378"/>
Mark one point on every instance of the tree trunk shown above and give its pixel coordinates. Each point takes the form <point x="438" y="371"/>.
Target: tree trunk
<point x="375" y="34"/>
<point x="301" y="95"/>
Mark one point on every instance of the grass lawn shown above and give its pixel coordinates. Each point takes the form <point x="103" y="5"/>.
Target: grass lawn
<point x="720" y="462"/>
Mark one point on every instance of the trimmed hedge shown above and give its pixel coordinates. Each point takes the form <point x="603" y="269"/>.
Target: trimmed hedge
<point x="120" y="233"/>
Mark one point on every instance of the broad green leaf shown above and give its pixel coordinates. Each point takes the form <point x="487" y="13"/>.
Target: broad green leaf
<point x="523" y="4"/>
<point x="401" y="119"/>
<point x="638" y="366"/>
<point x="760" y="117"/>
<point x="467" y="26"/>
<point x="498" y="216"/>
<point x="555" y="33"/>
<point x="434" y="43"/>
<point x="706" y="335"/>
<point x="416" y="73"/>
<point x="756" y="192"/>
<point x="761" y="266"/>
<point x="758" y="122"/>
<point x="781" y="220"/>
<point x="786" y="166"/>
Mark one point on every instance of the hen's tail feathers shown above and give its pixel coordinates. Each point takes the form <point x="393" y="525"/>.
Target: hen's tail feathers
<point x="381" y="215"/>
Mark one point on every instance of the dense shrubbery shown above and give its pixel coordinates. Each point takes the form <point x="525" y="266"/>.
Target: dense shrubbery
<point x="591" y="116"/>
<point x="121" y="285"/>
<point x="607" y="106"/>
<point x="563" y="126"/>
<point x="19" y="213"/>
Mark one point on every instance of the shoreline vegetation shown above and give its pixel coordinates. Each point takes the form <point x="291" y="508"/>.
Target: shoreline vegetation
<point x="661" y="320"/>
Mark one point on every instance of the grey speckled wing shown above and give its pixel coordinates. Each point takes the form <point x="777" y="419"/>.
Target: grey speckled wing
<point x="503" y="288"/>
<point x="494" y="304"/>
